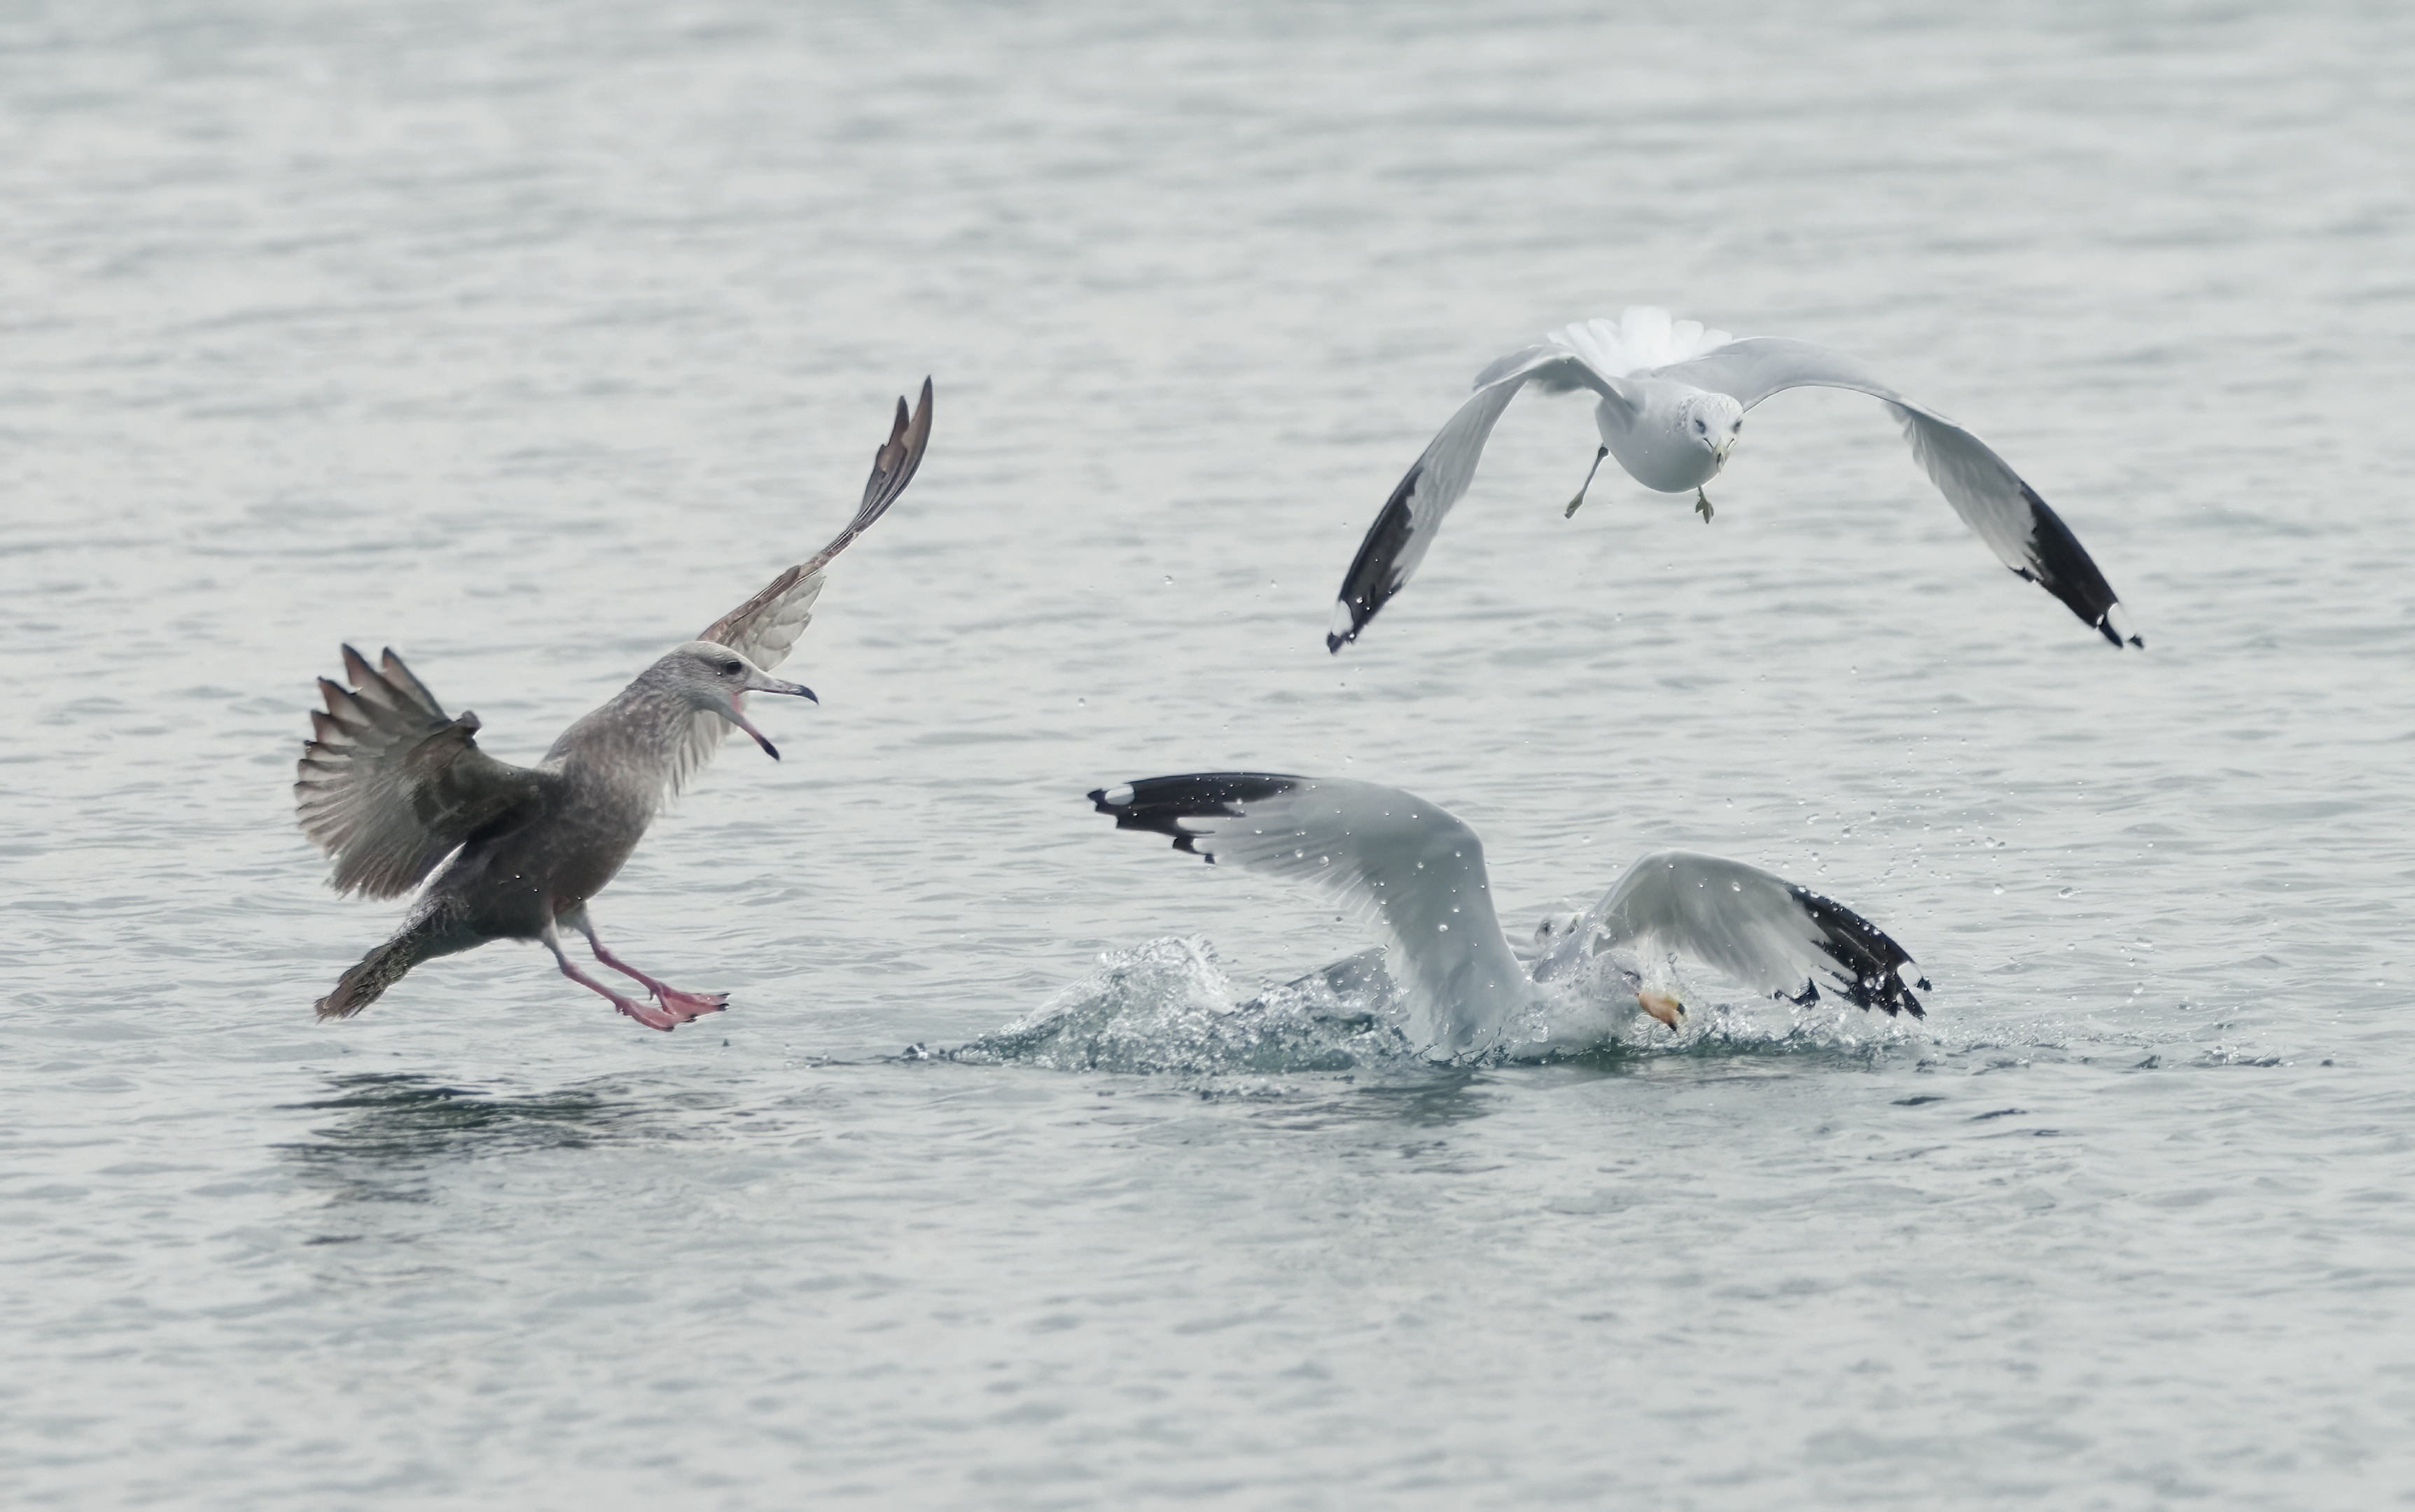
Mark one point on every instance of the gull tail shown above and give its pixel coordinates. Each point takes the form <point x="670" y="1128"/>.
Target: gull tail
<point x="424" y="938"/>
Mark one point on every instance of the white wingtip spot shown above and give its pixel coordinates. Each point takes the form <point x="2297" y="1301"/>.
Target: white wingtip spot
<point x="1339" y="624"/>
<point x="1910" y="973"/>
<point x="1117" y="796"/>
<point x="2120" y="623"/>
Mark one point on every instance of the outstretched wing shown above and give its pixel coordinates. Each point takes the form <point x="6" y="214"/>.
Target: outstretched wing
<point x="392" y="784"/>
<point x="764" y="627"/>
<point x="1389" y="858"/>
<point x="1760" y="930"/>
<point x="1397" y="542"/>
<point x="1993" y="499"/>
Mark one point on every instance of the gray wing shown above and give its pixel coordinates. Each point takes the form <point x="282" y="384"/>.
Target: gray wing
<point x="392" y="784"/>
<point x="1760" y="930"/>
<point x="1389" y="858"/>
<point x="1993" y="499"/>
<point x="764" y="627"/>
<point x="1397" y="542"/>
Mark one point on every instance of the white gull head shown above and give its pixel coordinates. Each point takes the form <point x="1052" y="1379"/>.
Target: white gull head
<point x="1710" y="422"/>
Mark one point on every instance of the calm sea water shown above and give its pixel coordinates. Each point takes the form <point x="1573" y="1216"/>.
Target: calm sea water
<point x="526" y="339"/>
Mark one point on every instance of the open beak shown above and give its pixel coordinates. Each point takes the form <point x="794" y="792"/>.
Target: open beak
<point x="737" y="715"/>
<point x="1662" y="1006"/>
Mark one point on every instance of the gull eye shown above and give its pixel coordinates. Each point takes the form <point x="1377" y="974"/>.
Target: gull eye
<point x="730" y="668"/>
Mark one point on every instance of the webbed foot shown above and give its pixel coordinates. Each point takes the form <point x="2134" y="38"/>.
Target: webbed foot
<point x="651" y="1017"/>
<point x="1702" y="505"/>
<point x="688" y="1007"/>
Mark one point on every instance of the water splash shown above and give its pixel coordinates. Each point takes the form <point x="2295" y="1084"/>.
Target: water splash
<point x="1168" y="1007"/>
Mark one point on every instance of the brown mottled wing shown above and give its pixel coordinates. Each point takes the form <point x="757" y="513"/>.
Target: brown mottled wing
<point x="391" y="784"/>
<point x="765" y="626"/>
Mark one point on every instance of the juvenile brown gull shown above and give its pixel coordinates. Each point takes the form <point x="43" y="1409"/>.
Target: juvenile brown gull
<point x="393" y="786"/>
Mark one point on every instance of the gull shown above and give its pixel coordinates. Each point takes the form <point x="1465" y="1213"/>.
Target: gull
<point x="392" y="785"/>
<point x="1673" y="401"/>
<point x="1417" y="873"/>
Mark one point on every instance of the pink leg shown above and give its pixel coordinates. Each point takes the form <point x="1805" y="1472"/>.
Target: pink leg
<point x="652" y="1018"/>
<point x="686" y="1006"/>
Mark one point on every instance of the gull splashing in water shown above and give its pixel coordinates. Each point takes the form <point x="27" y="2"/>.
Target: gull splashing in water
<point x="1456" y="988"/>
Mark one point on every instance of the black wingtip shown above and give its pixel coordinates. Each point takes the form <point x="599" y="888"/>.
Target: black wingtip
<point x="2061" y="565"/>
<point x="1867" y="961"/>
<point x="1158" y="804"/>
<point x="2114" y="636"/>
<point x="1374" y="573"/>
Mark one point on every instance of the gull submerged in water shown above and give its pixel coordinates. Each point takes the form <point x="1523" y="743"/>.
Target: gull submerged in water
<point x="1673" y="401"/>
<point x="393" y="786"/>
<point x="1417" y="873"/>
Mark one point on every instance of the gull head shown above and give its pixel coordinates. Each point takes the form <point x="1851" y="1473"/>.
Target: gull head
<point x="1555" y="928"/>
<point x="1711" y="421"/>
<point x="712" y="679"/>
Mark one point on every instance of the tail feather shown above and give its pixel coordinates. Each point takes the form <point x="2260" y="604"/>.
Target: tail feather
<point x="1642" y="338"/>
<point x="367" y="981"/>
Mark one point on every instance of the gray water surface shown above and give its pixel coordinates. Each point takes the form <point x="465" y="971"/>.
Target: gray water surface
<point x="527" y="340"/>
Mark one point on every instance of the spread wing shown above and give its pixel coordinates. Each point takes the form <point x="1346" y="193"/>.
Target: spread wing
<point x="1397" y="542"/>
<point x="392" y="784"/>
<point x="1389" y="858"/>
<point x="764" y="627"/>
<point x="1993" y="499"/>
<point x="1760" y="930"/>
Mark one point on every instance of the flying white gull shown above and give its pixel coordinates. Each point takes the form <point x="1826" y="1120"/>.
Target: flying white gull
<point x="1417" y="873"/>
<point x="393" y="786"/>
<point x="1674" y="396"/>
